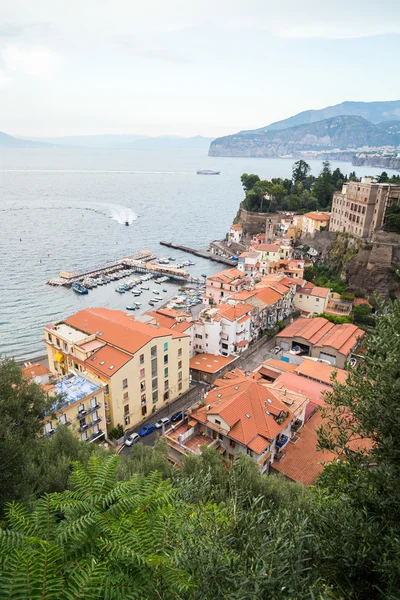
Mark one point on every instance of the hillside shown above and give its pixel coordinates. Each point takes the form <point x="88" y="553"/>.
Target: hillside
<point x="342" y="133"/>
<point x="375" y="112"/>
<point x="8" y="141"/>
<point x="130" y="141"/>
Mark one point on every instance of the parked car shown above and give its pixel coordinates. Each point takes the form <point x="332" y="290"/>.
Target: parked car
<point x="277" y="349"/>
<point x="163" y="421"/>
<point x="178" y="416"/>
<point x="146" y="430"/>
<point x="132" y="439"/>
<point x="353" y="362"/>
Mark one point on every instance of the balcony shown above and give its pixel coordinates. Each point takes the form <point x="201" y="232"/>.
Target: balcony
<point x="282" y="441"/>
<point x="88" y="425"/>
<point x="88" y="411"/>
<point x="50" y="433"/>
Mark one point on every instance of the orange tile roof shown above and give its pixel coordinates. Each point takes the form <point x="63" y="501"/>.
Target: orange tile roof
<point x="259" y="444"/>
<point x="317" y="216"/>
<point x="182" y="326"/>
<point x="269" y="247"/>
<point x="91" y="346"/>
<point x="319" y="292"/>
<point x="170" y="312"/>
<point x="162" y="320"/>
<point x="210" y="363"/>
<point x="302" y="461"/>
<point x="226" y="276"/>
<point x="321" y="372"/>
<point x="116" y="328"/>
<point x="247" y="407"/>
<point x="243" y="295"/>
<point x="359" y="301"/>
<point x="237" y="228"/>
<point x="342" y="338"/>
<point x="268" y="295"/>
<point x="36" y="370"/>
<point x="280" y="365"/>
<point x="245" y="318"/>
<point x="110" y="357"/>
<point x="232" y="313"/>
<point x="242" y="343"/>
<point x="311" y="330"/>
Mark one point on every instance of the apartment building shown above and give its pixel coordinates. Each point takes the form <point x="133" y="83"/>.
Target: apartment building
<point x="139" y="366"/>
<point x="222" y="285"/>
<point x="360" y="207"/>
<point x="312" y="300"/>
<point x="314" y="221"/>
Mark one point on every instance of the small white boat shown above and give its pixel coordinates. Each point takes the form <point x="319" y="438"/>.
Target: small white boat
<point x="156" y="292"/>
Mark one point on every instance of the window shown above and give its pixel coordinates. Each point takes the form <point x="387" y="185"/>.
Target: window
<point x="126" y="395"/>
<point x="225" y="346"/>
<point x="144" y="410"/>
<point x="96" y="429"/>
<point x="66" y="346"/>
<point x="166" y="384"/>
<point x="141" y="359"/>
<point x="200" y="337"/>
<point x="180" y="364"/>
<point x="95" y="416"/>
<point x="154" y="351"/>
<point x="301" y="295"/>
<point x="50" y="338"/>
<point x="165" y="346"/>
<point x="143" y="399"/>
<point x="63" y="419"/>
<point x="217" y="422"/>
<point x="166" y="372"/>
<point x="155" y="396"/>
<point x="76" y="367"/>
<point x="48" y="427"/>
<point x="58" y="342"/>
<point x="179" y="351"/>
<point x="165" y="359"/>
<point x="180" y="376"/>
<point x="220" y="436"/>
<point x="81" y="408"/>
<point x="206" y="336"/>
<point x="141" y="372"/>
<point x="232" y="444"/>
<point x="93" y="402"/>
<point x="124" y="383"/>
<point x="154" y="384"/>
<point x="317" y="299"/>
<point x="179" y="386"/>
<point x="142" y="386"/>
<point x="84" y="435"/>
<point x="154" y="367"/>
<point x="166" y="396"/>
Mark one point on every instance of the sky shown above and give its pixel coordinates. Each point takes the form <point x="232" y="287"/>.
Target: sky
<point x="187" y="67"/>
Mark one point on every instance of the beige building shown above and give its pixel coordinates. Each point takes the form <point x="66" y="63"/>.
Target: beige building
<point x="139" y="366"/>
<point x="314" y="221"/>
<point x="312" y="300"/>
<point x="360" y="207"/>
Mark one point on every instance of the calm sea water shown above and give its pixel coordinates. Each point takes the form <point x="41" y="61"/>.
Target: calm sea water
<point x="63" y="209"/>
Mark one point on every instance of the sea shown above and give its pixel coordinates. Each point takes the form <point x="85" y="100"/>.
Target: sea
<point x="66" y="208"/>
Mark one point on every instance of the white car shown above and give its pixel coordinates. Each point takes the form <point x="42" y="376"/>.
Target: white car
<point x="132" y="439"/>
<point x="163" y="421"/>
<point x="277" y="349"/>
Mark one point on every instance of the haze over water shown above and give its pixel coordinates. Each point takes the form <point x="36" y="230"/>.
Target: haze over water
<point x="64" y="209"/>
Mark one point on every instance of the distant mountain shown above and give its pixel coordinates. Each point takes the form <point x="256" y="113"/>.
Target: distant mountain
<point x="375" y="112"/>
<point x="8" y="141"/>
<point x="342" y="132"/>
<point x="129" y="141"/>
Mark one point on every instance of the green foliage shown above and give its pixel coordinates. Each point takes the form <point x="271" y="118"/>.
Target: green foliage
<point x="249" y="181"/>
<point x="392" y="219"/>
<point x="116" y="432"/>
<point x="337" y="319"/>
<point x="300" y="171"/>
<point x="281" y="324"/>
<point x="324" y="276"/>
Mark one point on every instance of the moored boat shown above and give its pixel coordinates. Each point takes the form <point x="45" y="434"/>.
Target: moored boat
<point x="79" y="288"/>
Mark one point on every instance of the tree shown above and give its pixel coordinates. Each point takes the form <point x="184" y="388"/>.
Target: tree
<point x="278" y="192"/>
<point x="363" y="425"/>
<point x="104" y="539"/>
<point x="23" y="405"/>
<point x="300" y="171"/>
<point x="383" y="177"/>
<point x="324" y="187"/>
<point x="249" y="181"/>
<point x="392" y="219"/>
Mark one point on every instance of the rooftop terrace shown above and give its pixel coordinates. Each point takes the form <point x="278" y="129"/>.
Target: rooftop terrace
<point x="75" y="388"/>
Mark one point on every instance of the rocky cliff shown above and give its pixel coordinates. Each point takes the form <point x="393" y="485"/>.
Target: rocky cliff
<point x="341" y="133"/>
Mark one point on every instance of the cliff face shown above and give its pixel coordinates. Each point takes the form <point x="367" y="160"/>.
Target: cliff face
<point x="340" y="132"/>
<point x="375" y="160"/>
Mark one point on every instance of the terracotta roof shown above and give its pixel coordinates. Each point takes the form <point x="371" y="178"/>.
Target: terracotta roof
<point x="35" y="371"/>
<point x="248" y="408"/>
<point x="269" y="247"/>
<point x="302" y="461"/>
<point x="182" y="326"/>
<point x="359" y="301"/>
<point x="243" y="295"/>
<point x="268" y="373"/>
<point x="319" y="292"/>
<point x="313" y="390"/>
<point x="91" y="346"/>
<point x="210" y="363"/>
<point x="245" y="318"/>
<point x="280" y="365"/>
<point x="237" y="228"/>
<point x="242" y="343"/>
<point x="342" y="338"/>
<point x="116" y="328"/>
<point x="232" y="313"/>
<point x="170" y="312"/>
<point x="316" y="216"/>
<point x="321" y="372"/>
<point x="311" y="330"/>
<point x="226" y="276"/>
<point x="259" y="444"/>
<point x="105" y="358"/>
<point x="269" y="296"/>
<point x="162" y="320"/>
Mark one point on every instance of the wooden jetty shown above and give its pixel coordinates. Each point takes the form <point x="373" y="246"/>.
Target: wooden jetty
<point x="202" y="253"/>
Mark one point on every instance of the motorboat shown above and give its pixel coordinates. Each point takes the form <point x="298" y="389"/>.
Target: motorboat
<point x="156" y="292"/>
<point x="120" y="289"/>
<point x="136" y="292"/>
<point x="165" y="291"/>
<point x="138" y="305"/>
<point x="79" y="288"/>
<point x="207" y="172"/>
<point x="130" y="307"/>
<point x="144" y="287"/>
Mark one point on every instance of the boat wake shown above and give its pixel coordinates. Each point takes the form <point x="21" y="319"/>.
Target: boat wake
<point x="122" y="214"/>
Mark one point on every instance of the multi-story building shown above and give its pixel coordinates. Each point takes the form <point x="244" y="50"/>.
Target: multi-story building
<point x="312" y="300"/>
<point x="235" y="234"/>
<point x="314" y="221"/>
<point x="361" y="207"/>
<point x="222" y="285"/>
<point x="249" y="262"/>
<point x="240" y="415"/>
<point x="140" y="366"/>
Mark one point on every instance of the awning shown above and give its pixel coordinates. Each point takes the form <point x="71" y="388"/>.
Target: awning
<point x="59" y="357"/>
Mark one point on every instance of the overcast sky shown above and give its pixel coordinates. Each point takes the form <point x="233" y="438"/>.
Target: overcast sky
<point x="189" y="67"/>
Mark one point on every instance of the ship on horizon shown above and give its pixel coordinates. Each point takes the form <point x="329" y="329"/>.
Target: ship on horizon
<point x="207" y="172"/>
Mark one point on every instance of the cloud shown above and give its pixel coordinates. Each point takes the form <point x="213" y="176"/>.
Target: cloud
<point x="36" y="61"/>
<point x="4" y="80"/>
<point x="335" y="31"/>
<point x="154" y="51"/>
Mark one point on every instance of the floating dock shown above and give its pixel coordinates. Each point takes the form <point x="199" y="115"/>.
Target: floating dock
<point x="202" y="253"/>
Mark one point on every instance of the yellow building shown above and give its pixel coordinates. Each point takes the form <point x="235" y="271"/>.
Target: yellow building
<point x="315" y="221"/>
<point x="141" y="367"/>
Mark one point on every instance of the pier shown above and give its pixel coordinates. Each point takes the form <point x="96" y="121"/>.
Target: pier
<point x="202" y="253"/>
